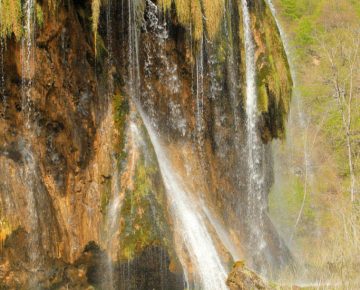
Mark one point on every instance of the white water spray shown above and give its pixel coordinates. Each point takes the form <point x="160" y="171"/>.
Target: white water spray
<point x="112" y="221"/>
<point x="256" y="203"/>
<point x="27" y="57"/>
<point x="208" y="271"/>
<point x="2" y="72"/>
<point x="134" y="141"/>
<point x="189" y="223"/>
<point x="222" y="233"/>
<point x="303" y="122"/>
<point x="200" y="91"/>
<point x="30" y="170"/>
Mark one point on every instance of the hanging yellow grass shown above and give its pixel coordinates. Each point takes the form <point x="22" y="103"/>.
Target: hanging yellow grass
<point x="183" y="10"/>
<point x="10" y="18"/>
<point x="52" y="5"/>
<point x="165" y="4"/>
<point x="197" y="20"/>
<point x="5" y="231"/>
<point x="214" y="11"/>
<point x="95" y="9"/>
<point x="190" y="13"/>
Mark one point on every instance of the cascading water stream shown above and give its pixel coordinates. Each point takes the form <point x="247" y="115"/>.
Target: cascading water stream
<point x="208" y="271"/>
<point x="200" y="91"/>
<point x="256" y="199"/>
<point x="134" y="140"/>
<point x="2" y="77"/>
<point x="112" y="221"/>
<point x="30" y="170"/>
<point x="27" y="57"/>
<point x="303" y="122"/>
<point x="2" y="73"/>
<point x="284" y="39"/>
<point x="189" y="223"/>
<point x="222" y="234"/>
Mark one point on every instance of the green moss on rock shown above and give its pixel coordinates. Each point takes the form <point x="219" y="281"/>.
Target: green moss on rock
<point x="274" y="79"/>
<point x="145" y="221"/>
<point x="120" y="111"/>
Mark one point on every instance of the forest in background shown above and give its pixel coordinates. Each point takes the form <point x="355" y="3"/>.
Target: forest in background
<point x="315" y="198"/>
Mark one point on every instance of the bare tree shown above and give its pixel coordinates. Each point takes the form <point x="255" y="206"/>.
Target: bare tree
<point x="341" y="50"/>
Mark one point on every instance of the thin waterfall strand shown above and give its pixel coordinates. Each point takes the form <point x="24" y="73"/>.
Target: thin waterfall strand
<point x="27" y="57"/>
<point x="189" y="223"/>
<point x="303" y="122"/>
<point x="256" y="198"/>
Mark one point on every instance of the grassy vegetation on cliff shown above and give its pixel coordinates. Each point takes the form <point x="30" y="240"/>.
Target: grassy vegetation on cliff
<point x="121" y="110"/>
<point x="196" y="13"/>
<point x="5" y="231"/>
<point x="10" y="18"/>
<point x="145" y="222"/>
<point x="274" y="83"/>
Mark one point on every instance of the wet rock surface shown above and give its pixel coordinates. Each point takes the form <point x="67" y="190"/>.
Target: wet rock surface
<point x="150" y="270"/>
<point x="60" y="167"/>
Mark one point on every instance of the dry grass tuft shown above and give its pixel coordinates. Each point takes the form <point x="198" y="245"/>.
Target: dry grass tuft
<point x="10" y="18"/>
<point x="195" y="13"/>
<point x="214" y="11"/>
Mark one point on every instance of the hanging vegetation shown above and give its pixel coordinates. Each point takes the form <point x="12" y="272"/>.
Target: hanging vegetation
<point x="10" y="18"/>
<point x="197" y="13"/>
<point x="95" y="9"/>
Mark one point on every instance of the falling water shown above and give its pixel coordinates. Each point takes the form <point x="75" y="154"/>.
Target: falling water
<point x="189" y="224"/>
<point x="134" y="140"/>
<point x="29" y="177"/>
<point x="112" y="220"/>
<point x="222" y="233"/>
<point x="200" y="91"/>
<point x="256" y="203"/>
<point x="27" y="57"/>
<point x="110" y="63"/>
<point x="2" y="73"/>
<point x="134" y="69"/>
<point x="303" y="122"/>
<point x="30" y="170"/>
<point x="291" y="64"/>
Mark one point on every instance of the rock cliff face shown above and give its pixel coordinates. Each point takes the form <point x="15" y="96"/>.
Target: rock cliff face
<point x="81" y="191"/>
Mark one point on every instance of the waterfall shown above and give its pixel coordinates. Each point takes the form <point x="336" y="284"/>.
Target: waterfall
<point x="189" y="223"/>
<point x="303" y="122"/>
<point x="112" y="221"/>
<point x="2" y="73"/>
<point x="291" y="64"/>
<point x="200" y="91"/>
<point x="222" y="233"/>
<point x="256" y="199"/>
<point x="27" y="57"/>
<point x="134" y="141"/>
<point x="30" y="170"/>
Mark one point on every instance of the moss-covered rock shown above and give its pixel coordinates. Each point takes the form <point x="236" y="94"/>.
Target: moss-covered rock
<point x="145" y="221"/>
<point x="273" y="79"/>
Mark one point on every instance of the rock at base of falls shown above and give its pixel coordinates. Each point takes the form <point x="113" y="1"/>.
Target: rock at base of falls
<point x="149" y="270"/>
<point x="242" y="278"/>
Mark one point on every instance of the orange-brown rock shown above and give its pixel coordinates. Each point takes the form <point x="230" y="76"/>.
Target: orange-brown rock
<point x="242" y="278"/>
